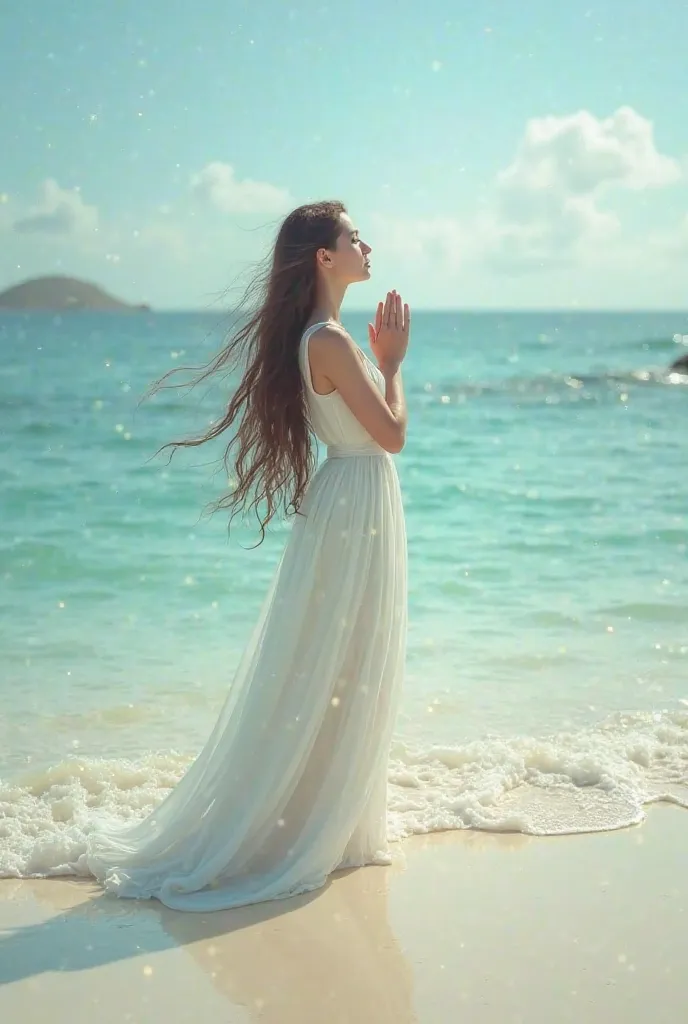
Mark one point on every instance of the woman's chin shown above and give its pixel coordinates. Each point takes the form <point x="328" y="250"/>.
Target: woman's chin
<point x="364" y="276"/>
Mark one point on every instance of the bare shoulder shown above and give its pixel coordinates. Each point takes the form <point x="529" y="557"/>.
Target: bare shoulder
<point x="331" y="338"/>
<point x="333" y="343"/>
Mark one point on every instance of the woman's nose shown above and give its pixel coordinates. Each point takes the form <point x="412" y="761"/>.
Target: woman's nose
<point x="366" y="248"/>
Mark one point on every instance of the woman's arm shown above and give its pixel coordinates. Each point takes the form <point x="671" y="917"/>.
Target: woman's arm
<point x="334" y="358"/>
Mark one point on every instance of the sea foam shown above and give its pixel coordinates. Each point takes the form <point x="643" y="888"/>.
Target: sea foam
<point x="596" y="779"/>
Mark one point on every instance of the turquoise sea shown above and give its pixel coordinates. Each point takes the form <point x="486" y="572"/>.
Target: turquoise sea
<point x="546" y="494"/>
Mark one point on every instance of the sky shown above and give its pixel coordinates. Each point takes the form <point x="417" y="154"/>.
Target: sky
<point x="499" y="154"/>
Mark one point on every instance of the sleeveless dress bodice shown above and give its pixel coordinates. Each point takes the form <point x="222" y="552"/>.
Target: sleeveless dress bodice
<point x="331" y="420"/>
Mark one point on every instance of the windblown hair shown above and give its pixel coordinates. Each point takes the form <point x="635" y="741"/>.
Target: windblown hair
<point x="271" y="446"/>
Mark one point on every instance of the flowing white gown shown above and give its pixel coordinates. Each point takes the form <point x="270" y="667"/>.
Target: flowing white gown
<point x="292" y="783"/>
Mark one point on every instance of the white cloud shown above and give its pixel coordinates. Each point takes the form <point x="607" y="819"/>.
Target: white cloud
<point x="557" y="231"/>
<point x="60" y="212"/>
<point x="218" y="184"/>
<point x="579" y="153"/>
<point x="546" y="201"/>
<point x="546" y="209"/>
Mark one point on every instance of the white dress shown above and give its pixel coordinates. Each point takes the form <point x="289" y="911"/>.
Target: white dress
<point x="292" y="783"/>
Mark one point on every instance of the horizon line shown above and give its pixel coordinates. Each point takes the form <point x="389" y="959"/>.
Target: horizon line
<point x="438" y="310"/>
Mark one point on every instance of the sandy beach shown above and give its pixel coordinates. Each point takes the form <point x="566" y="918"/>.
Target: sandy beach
<point x="462" y="927"/>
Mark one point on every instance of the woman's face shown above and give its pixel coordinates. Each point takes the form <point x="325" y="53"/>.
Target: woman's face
<point x="349" y="260"/>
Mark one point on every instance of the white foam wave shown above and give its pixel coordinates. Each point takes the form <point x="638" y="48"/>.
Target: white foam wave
<point x="593" y="780"/>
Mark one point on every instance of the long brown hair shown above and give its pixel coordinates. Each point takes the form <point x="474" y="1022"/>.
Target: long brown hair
<point x="274" y="456"/>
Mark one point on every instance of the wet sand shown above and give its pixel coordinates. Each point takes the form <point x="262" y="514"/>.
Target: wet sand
<point x="463" y="927"/>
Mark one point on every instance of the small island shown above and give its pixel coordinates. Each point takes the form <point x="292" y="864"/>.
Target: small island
<point x="63" y="294"/>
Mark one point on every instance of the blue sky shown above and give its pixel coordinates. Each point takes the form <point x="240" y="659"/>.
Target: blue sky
<point x="495" y="154"/>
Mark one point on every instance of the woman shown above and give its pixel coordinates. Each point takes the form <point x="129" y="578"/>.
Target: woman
<point x="292" y="783"/>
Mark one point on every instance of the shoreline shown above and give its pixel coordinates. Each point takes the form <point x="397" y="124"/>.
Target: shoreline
<point x="468" y="925"/>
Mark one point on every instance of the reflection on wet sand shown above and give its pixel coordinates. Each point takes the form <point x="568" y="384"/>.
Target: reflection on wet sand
<point x="330" y="958"/>
<point x="325" y="956"/>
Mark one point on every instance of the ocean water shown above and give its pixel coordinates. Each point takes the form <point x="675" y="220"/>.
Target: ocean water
<point x="546" y="494"/>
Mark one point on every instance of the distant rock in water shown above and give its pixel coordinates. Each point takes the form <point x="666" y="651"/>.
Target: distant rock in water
<point x="680" y="365"/>
<point x="63" y="294"/>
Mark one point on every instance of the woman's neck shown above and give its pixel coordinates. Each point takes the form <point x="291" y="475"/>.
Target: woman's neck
<point x="328" y="301"/>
